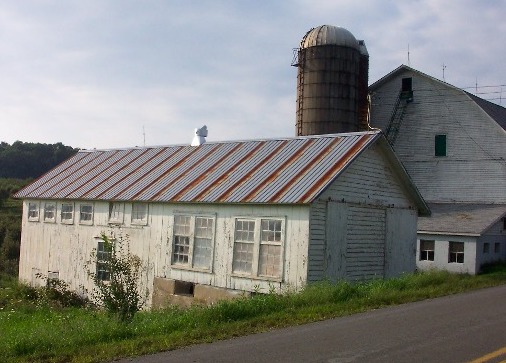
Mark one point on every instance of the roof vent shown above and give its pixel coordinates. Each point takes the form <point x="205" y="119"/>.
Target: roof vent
<point x="200" y="136"/>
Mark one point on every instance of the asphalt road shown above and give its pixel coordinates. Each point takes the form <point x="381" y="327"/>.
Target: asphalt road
<point x="460" y="328"/>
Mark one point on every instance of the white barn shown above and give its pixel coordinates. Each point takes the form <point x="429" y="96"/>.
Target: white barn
<point x="453" y="145"/>
<point x="223" y="218"/>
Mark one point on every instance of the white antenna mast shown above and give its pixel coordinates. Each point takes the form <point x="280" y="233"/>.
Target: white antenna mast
<point x="409" y="63"/>
<point x="444" y="67"/>
<point x="144" y="135"/>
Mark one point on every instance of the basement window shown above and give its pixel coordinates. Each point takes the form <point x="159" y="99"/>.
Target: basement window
<point x="86" y="214"/>
<point x="140" y="213"/>
<point x="258" y="247"/>
<point x="440" y="145"/>
<point x="456" y="252"/>
<point x="427" y="250"/>
<point x="33" y="212"/>
<point x="67" y="213"/>
<point x="193" y="241"/>
<point x="49" y="212"/>
<point x="183" y="288"/>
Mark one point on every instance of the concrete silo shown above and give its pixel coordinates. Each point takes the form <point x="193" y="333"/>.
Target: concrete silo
<point x="332" y="82"/>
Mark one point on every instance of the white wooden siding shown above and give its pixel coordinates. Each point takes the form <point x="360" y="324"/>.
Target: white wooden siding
<point x="370" y="185"/>
<point x="474" y="169"/>
<point x="66" y="247"/>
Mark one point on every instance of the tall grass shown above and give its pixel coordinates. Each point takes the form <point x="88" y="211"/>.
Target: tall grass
<point x="31" y="331"/>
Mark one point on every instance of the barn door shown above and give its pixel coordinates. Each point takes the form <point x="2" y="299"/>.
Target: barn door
<point x="365" y="243"/>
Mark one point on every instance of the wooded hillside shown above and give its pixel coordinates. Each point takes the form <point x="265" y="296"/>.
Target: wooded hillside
<point x="23" y="160"/>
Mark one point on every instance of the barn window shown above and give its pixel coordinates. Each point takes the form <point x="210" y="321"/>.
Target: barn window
<point x="33" y="212"/>
<point x="486" y="247"/>
<point x="427" y="250"/>
<point x="258" y="245"/>
<point x="456" y="252"/>
<point x="139" y="213"/>
<point x="497" y="247"/>
<point x="115" y="212"/>
<point x="67" y="213"/>
<point x="103" y="256"/>
<point x="49" y="212"/>
<point x="86" y="214"/>
<point x="193" y="241"/>
<point x="440" y="145"/>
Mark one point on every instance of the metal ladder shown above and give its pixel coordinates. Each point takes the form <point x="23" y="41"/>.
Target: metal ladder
<point x="403" y="100"/>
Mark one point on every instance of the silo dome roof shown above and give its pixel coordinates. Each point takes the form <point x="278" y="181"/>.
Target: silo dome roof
<point x="329" y="35"/>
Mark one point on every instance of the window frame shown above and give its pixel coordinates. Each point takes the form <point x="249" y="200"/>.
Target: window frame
<point x="134" y="214"/>
<point x="192" y="236"/>
<point x="62" y="212"/>
<point x="486" y="247"/>
<point x="454" y="255"/>
<point x="116" y="212"/>
<point x="257" y="244"/>
<point x="103" y="255"/>
<point x="426" y="253"/>
<point x="34" y="218"/>
<point x="497" y="247"/>
<point x="49" y="216"/>
<point x="81" y="213"/>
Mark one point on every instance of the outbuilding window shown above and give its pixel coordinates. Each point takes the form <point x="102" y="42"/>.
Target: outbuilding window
<point x="140" y="213"/>
<point x="49" y="212"/>
<point x="456" y="252"/>
<point x="258" y="247"/>
<point x="193" y="241"/>
<point x="86" y="214"/>
<point x="103" y="256"/>
<point x="115" y="212"/>
<point x="427" y="250"/>
<point x="67" y="213"/>
<point x="486" y="247"/>
<point x="497" y="247"/>
<point x="33" y="212"/>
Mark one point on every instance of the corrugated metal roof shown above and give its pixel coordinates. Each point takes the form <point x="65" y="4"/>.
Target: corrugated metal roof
<point x="292" y="170"/>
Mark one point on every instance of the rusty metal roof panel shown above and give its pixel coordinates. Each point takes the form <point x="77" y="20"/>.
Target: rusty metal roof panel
<point x="294" y="170"/>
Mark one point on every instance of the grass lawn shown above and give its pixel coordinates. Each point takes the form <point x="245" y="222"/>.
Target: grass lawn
<point x="37" y="330"/>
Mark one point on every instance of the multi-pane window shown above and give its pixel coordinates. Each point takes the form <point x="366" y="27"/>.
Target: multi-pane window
<point x="115" y="212"/>
<point x="193" y="241"/>
<point x="103" y="256"/>
<point x="33" y="211"/>
<point x="270" y="248"/>
<point x="49" y="212"/>
<point x="140" y="213"/>
<point x="258" y="247"/>
<point x="427" y="250"/>
<point x="456" y="252"/>
<point x="86" y="214"/>
<point x="243" y="246"/>
<point x="67" y="213"/>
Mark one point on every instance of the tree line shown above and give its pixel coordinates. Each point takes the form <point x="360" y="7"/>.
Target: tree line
<point x="23" y="160"/>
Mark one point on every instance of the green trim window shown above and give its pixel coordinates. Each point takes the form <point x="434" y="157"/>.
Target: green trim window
<point x="440" y="145"/>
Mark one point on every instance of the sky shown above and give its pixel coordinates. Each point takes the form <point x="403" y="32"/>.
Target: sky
<point x="122" y="73"/>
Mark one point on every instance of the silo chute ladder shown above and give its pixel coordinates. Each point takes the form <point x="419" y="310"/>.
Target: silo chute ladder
<point x="404" y="99"/>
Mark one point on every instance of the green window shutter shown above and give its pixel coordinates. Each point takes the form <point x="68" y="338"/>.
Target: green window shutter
<point x="440" y="145"/>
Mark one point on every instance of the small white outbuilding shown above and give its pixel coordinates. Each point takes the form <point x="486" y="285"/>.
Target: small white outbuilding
<point x="223" y="218"/>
